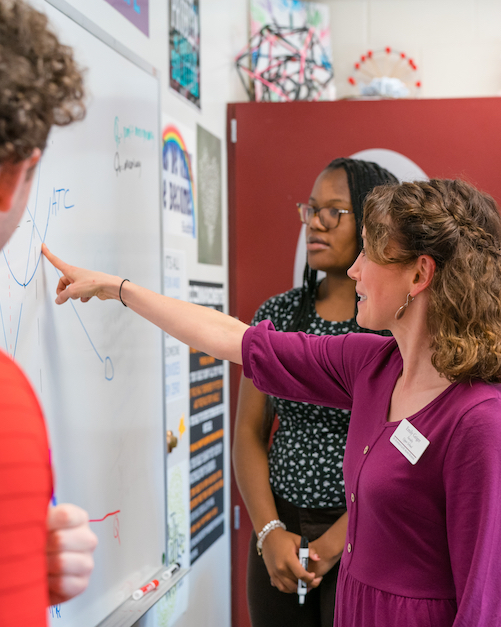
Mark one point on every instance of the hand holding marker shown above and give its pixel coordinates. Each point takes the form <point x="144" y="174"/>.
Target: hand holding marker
<point x="302" y="588"/>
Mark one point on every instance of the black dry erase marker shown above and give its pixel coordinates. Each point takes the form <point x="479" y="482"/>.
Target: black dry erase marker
<point x="303" y="558"/>
<point x="167" y="574"/>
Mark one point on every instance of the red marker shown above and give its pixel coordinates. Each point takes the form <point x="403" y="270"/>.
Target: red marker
<point x="138" y="594"/>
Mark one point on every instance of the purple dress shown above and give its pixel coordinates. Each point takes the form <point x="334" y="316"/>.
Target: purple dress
<point x="423" y="547"/>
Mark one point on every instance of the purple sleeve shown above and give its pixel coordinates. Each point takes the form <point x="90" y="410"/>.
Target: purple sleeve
<point x="307" y="368"/>
<point x="472" y="480"/>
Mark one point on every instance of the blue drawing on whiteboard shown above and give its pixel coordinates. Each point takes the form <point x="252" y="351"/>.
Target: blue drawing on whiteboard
<point x="56" y="202"/>
<point x="55" y="611"/>
<point x="116" y="129"/>
<point x="109" y="371"/>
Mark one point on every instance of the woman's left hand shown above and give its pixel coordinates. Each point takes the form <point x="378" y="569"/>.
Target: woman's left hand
<point x="321" y="557"/>
<point x="328" y="548"/>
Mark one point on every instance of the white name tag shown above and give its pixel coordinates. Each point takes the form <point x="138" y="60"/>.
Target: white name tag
<point x="409" y="441"/>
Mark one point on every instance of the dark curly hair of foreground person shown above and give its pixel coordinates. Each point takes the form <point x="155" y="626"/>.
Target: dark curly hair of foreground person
<point x="40" y="83"/>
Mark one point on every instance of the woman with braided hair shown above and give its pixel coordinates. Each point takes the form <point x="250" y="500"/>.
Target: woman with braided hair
<point x="298" y="485"/>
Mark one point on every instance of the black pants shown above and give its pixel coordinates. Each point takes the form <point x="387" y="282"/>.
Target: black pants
<point x="268" y="607"/>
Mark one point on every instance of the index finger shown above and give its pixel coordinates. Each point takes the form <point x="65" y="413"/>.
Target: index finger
<point x="55" y="261"/>
<point x="65" y="516"/>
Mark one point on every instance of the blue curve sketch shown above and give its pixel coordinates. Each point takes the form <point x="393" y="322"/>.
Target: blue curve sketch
<point x="42" y="239"/>
<point x="108" y="364"/>
<point x="109" y="370"/>
<point x="25" y="283"/>
<point x="55" y="611"/>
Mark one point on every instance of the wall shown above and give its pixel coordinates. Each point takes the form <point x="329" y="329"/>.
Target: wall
<point x="223" y="35"/>
<point x="456" y="44"/>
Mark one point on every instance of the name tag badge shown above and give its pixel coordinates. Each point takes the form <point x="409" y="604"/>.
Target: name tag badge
<point x="409" y="441"/>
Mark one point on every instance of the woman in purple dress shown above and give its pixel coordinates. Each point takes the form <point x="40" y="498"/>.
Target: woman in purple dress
<point x="299" y="483"/>
<point x="423" y="456"/>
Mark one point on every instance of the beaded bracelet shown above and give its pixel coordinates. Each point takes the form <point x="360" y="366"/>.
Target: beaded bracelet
<point x="273" y="524"/>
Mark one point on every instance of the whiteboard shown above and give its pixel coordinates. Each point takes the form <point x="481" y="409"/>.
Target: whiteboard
<point x="97" y="367"/>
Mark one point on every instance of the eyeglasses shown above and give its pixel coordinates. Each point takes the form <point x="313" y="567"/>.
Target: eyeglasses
<point x="329" y="216"/>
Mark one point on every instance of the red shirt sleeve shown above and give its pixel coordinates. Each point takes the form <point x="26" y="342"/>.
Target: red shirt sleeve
<point x="25" y="491"/>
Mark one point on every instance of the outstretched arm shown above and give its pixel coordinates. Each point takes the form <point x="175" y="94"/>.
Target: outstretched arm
<point x="202" y="328"/>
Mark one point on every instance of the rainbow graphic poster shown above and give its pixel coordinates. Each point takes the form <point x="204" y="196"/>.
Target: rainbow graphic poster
<point x="179" y="195"/>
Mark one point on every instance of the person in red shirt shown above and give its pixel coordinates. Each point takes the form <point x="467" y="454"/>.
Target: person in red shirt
<point x="45" y="555"/>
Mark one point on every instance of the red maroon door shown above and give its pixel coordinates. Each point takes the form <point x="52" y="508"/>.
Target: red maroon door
<point x="279" y="151"/>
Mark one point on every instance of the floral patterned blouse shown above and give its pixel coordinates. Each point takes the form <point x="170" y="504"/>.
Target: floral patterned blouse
<point x="306" y="456"/>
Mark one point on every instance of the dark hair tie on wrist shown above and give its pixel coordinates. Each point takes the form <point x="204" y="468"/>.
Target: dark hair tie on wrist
<point x="120" y="292"/>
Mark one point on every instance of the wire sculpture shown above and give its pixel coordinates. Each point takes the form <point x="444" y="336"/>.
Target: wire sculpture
<point x="282" y="64"/>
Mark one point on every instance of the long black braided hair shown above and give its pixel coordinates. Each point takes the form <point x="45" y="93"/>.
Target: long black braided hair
<point x="363" y="176"/>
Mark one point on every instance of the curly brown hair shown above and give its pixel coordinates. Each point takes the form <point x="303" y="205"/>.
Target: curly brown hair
<point x="460" y="228"/>
<point x="40" y="83"/>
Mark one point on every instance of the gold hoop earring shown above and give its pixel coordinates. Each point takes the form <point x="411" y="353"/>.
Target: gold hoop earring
<point x="401" y="310"/>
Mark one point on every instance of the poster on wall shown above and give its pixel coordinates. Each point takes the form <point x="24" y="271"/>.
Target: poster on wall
<point x="173" y="605"/>
<point x="175" y="352"/>
<point x="169" y="609"/>
<point x="184" y="49"/>
<point x="136" y="11"/>
<point x="210" y="237"/>
<point x="178" y="179"/>
<point x="206" y="434"/>
<point x="176" y="355"/>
